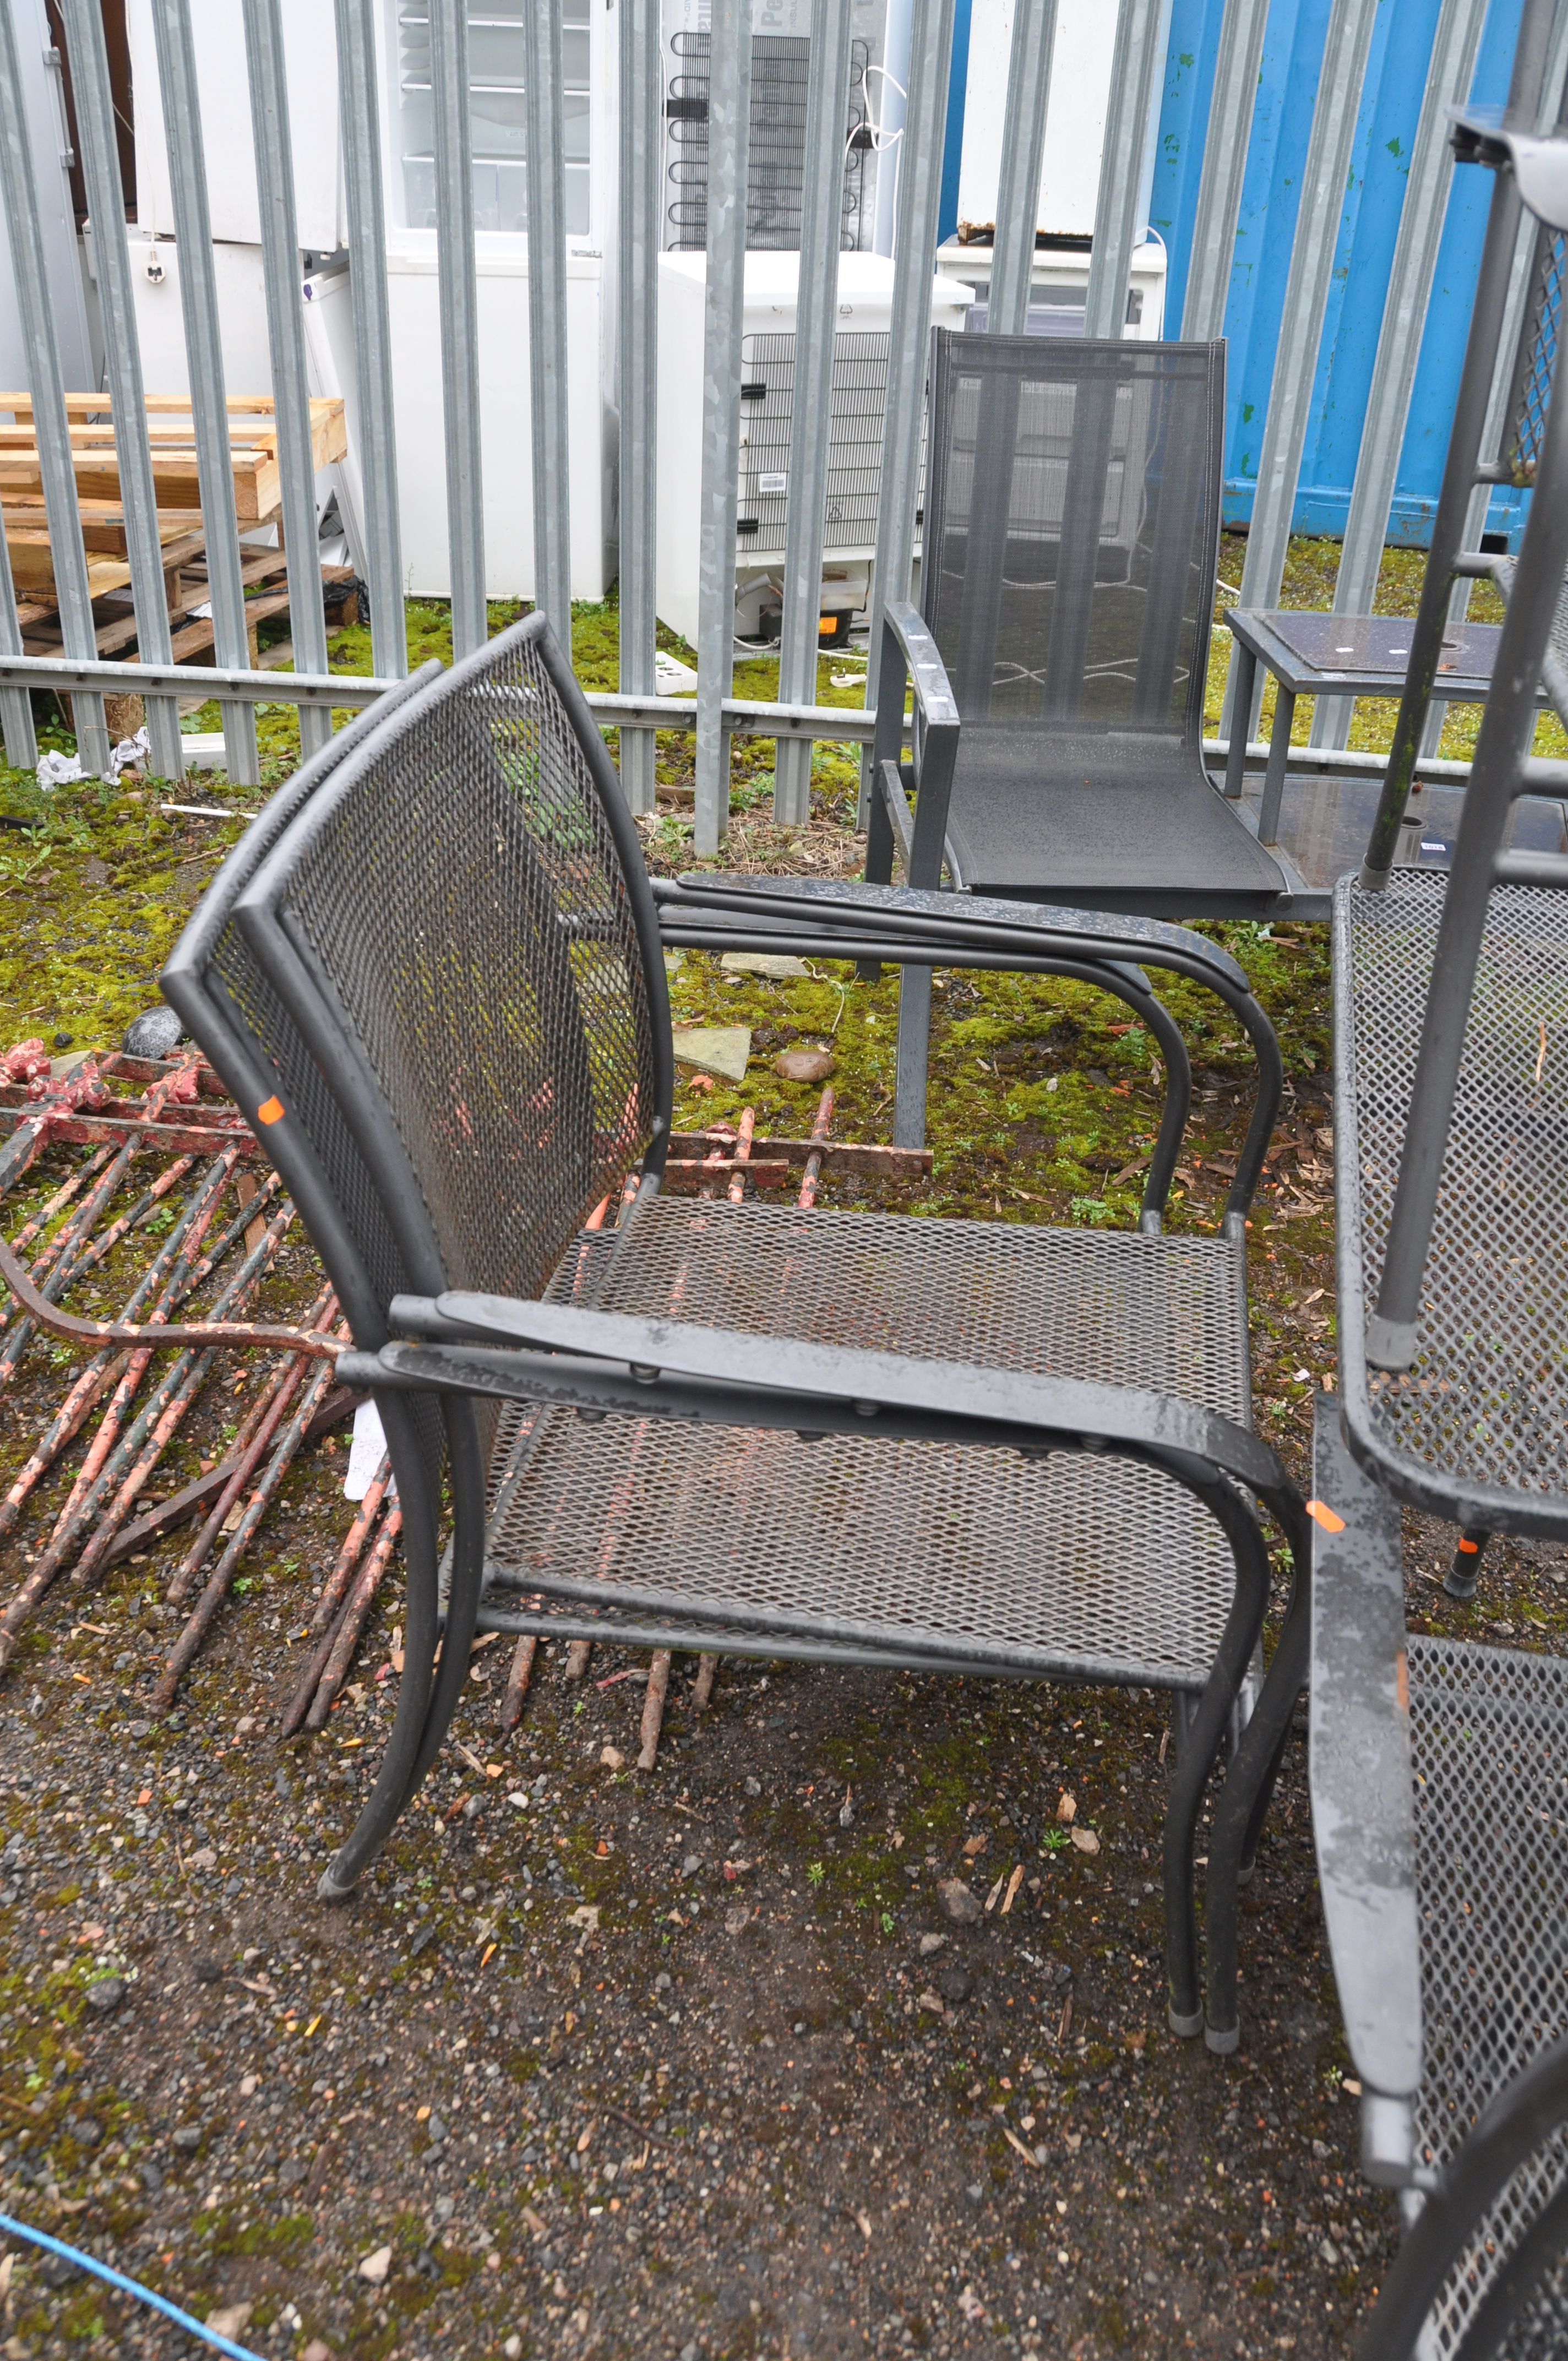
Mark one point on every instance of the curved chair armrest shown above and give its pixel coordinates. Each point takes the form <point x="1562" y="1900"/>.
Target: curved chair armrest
<point x="1360" y="1781"/>
<point x="791" y="1381"/>
<point x="928" y="674"/>
<point x="909" y="909"/>
<point x="964" y="925"/>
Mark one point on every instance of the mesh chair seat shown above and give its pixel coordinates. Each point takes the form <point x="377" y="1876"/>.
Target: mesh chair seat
<point x="1489" y="1745"/>
<point x="1483" y="1410"/>
<point x="1115" y="821"/>
<point x="879" y="1549"/>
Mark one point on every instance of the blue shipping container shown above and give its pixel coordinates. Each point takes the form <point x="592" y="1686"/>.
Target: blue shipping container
<point x="1391" y="98"/>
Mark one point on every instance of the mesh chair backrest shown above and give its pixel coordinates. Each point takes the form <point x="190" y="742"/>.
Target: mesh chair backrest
<point x="1071" y="531"/>
<point x="454" y="970"/>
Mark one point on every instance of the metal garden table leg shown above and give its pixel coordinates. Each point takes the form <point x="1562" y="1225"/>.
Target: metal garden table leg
<point x="1279" y="756"/>
<point x="1246" y="684"/>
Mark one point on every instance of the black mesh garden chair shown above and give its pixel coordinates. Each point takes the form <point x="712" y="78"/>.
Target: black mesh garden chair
<point x="947" y="1445"/>
<point x="1071" y="528"/>
<point x="1439" y="1765"/>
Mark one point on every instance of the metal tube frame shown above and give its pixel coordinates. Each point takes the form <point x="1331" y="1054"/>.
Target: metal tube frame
<point x="811" y="406"/>
<point x="459" y="323"/>
<point x="51" y="424"/>
<point x="204" y="348"/>
<point x="637" y="378"/>
<point x="1497" y="776"/>
<point x="546" y="167"/>
<point x="728" y="140"/>
<point x="359" y="117"/>
<point x="286" y="332"/>
<point x="122" y="363"/>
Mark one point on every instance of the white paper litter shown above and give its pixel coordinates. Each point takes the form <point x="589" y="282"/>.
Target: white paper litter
<point x="365" y="1453"/>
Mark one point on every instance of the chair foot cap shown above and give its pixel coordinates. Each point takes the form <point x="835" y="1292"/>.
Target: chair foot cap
<point x="1243" y="1875"/>
<point x="329" y="1890"/>
<point x="1189" y="2028"/>
<point x="1221" y="2039"/>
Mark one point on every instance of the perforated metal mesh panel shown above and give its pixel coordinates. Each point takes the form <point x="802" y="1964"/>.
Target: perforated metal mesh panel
<point x="499" y="998"/>
<point x="1071" y="538"/>
<point x="1489" y="1736"/>
<point x="1538" y="359"/>
<point x="854" y="466"/>
<point x="775" y="169"/>
<point x="1486" y="1399"/>
<point x="1076" y="1560"/>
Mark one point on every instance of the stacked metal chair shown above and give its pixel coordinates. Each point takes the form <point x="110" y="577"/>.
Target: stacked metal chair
<point x="1070" y="537"/>
<point x="438" y="980"/>
<point x="1439" y="1767"/>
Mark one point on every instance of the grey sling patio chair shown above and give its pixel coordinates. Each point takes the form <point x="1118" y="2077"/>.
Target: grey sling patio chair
<point x="1070" y="526"/>
<point x="947" y="1445"/>
<point x="1439" y="1766"/>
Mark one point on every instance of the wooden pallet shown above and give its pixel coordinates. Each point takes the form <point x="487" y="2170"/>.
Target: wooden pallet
<point x="253" y="450"/>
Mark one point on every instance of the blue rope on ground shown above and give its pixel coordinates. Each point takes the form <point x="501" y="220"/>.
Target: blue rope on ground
<point x="114" y="2279"/>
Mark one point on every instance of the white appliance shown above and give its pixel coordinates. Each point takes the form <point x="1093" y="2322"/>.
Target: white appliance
<point x="1058" y="286"/>
<point x="860" y="385"/>
<point x="217" y="32"/>
<point x="496" y="82"/>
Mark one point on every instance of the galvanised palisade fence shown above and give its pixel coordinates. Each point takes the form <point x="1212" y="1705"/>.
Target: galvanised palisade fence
<point x="636" y="711"/>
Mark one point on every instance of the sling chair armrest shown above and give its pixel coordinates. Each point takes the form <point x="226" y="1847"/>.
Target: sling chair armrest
<point x="893" y="910"/>
<point x="1362" y="1789"/>
<point x="928" y="674"/>
<point x="748" y="1379"/>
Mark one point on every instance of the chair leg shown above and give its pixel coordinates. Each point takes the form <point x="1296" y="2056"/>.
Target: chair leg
<point x="394" y="1779"/>
<point x="1465" y="1571"/>
<point x="914" y="1057"/>
<point x="1244" y="1803"/>
<point x="463" y="1591"/>
<point x="1200" y="1749"/>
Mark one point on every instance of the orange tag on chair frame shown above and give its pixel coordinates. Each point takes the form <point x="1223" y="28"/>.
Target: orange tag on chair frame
<point x="1322" y="1514"/>
<point x="270" y="1110"/>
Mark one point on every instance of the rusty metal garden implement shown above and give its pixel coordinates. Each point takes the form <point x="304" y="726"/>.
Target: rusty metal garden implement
<point x="265" y="1416"/>
<point x="160" y="1419"/>
<point x="204" y="1613"/>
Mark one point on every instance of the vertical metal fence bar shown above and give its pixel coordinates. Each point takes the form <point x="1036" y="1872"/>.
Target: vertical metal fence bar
<point x="122" y="363"/>
<point x="51" y="423"/>
<point x="637" y="349"/>
<point x="919" y="194"/>
<point x="286" y="332"/>
<point x="16" y="704"/>
<point x="811" y="409"/>
<point x="459" y="320"/>
<point x="729" y="128"/>
<point x="1116" y="225"/>
<point x="1224" y="170"/>
<point x="1023" y="154"/>
<point x="547" y="315"/>
<point x="360" y="116"/>
<point x="1454" y="45"/>
<point x="208" y="402"/>
<point x="1323" y="182"/>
